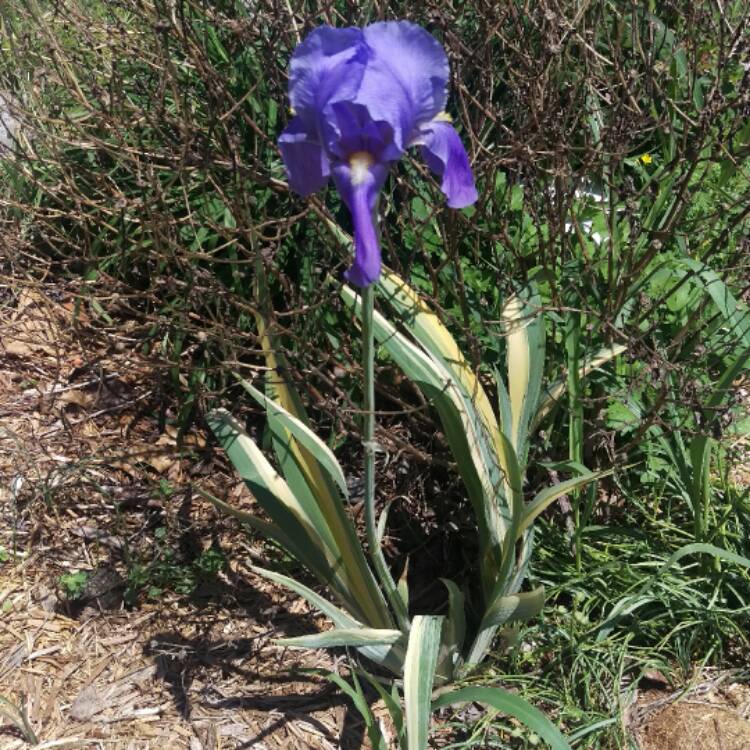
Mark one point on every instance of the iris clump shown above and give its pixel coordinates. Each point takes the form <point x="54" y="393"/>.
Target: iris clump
<point x="361" y="98"/>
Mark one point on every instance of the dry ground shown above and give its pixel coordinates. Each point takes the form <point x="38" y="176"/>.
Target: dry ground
<point x="79" y="439"/>
<point x="87" y="480"/>
<point x="712" y="714"/>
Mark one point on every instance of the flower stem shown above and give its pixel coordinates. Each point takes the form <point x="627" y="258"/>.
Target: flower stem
<point x="368" y="442"/>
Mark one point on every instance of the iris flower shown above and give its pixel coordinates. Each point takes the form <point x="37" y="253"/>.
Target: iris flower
<point x="360" y="99"/>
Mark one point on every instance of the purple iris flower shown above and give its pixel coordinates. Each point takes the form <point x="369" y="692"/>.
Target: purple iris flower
<point x="360" y="98"/>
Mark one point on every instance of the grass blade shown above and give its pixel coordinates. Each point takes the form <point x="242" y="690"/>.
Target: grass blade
<point x="510" y="704"/>
<point x="556" y="391"/>
<point x="629" y="604"/>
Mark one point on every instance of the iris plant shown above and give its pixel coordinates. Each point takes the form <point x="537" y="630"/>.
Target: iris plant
<point x="361" y="98"/>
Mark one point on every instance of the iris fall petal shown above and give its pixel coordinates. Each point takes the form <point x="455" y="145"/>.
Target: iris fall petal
<point x="306" y="162"/>
<point x="446" y="157"/>
<point x="359" y="189"/>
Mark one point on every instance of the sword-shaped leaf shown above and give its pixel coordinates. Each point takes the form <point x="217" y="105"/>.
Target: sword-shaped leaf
<point x="464" y="430"/>
<point x="313" y="484"/>
<point x="525" y="363"/>
<point x="504" y="575"/>
<point x="299" y="430"/>
<point x="454" y="632"/>
<point x="352" y="637"/>
<point x="429" y="330"/>
<point x="391" y="656"/>
<point x="419" y="674"/>
<point x="544" y="498"/>
<point x="273" y="494"/>
<point x="521" y="606"/>
<point x="303" y="526"/>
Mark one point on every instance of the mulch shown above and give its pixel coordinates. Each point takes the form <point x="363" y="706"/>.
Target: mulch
<point x="88" y="477"/>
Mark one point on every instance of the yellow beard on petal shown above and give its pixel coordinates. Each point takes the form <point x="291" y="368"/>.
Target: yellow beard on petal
<point x="443" y="117"/>
<point x="360" y="163"/>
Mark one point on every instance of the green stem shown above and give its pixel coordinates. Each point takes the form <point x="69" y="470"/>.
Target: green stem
<point x="575" y="424"/>
<point x="368" y="442"/>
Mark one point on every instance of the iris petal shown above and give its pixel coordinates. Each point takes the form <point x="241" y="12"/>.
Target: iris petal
<point x="406" y="76"/>
<point x="445" y="155"/>
<point x="361" y="196"/>
<point x="351" y="129"/>
<point x="326" y="67"/>
<point x="304" y="158"/>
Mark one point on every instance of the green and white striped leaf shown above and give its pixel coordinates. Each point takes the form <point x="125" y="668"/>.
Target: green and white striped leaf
<point x="514" y="607"/>
<point x="352" y="637"/>
<point x="505" y="573"/>
<point x="391" y="656"/>
<point x="358" y="698"/>
<point x="312" y="485"/>
<point x="275" y="497"/>
<point x="510" y="704"/>
<point x="306" y="437"/>
<point x="338" y="616"/>
<point x="454" y="633"/>
<point x="525" y="364"/>
<point x="514" y="494"/>
<point x="429" y="330"/>
<point x="335" y="558"/>
<point x="419" y="675"/>
<point x="475" y="456"/>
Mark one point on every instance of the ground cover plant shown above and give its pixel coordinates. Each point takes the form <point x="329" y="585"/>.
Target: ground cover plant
<point x="609" y="145"/>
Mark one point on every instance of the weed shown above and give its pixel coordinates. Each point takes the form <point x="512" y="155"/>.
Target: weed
<point x="73" y="585"/>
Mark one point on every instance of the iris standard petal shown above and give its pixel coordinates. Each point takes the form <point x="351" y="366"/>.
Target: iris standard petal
<point x="327" y="66"/>
<point x="445" y="155"/>
<point x="359" y="185"/>
<point x="406" y="77"/>
<point x="349" y="128"/>
<point x="305" y="160"/>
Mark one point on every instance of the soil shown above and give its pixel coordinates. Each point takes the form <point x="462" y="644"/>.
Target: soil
<point x="713" y="714"/>
<point x="91" y="480"/>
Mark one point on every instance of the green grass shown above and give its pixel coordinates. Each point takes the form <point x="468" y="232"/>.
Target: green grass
<point x="584" y="680"/>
